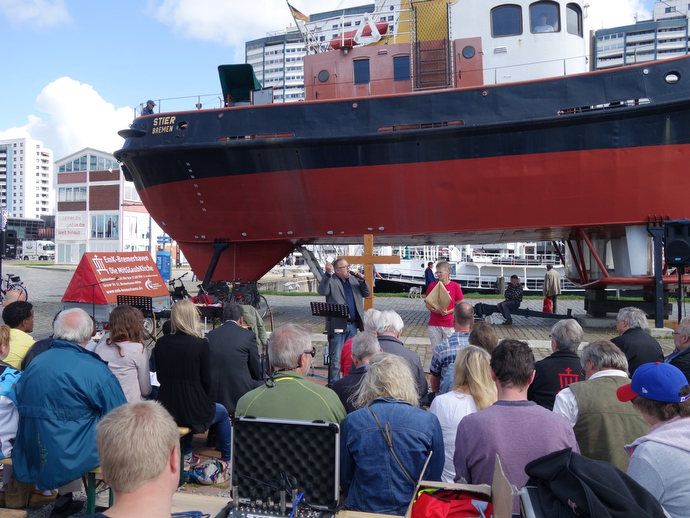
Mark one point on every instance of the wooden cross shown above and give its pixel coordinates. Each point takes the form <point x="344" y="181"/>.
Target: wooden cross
<point x="369" y="260"/>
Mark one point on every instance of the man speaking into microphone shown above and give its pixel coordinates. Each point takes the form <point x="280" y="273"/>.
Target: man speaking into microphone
<point x="349" y="288"/>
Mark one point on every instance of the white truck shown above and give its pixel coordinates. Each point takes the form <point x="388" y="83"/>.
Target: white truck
<point x="38" y="250"/>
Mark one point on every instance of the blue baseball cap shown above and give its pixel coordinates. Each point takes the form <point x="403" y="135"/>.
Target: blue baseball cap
<point x="655" y="381"/>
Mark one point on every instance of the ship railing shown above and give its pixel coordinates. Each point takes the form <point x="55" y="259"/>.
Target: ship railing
<point x="480" y="257"/>
<point x="185" y="103"/>
<point x="484" y="282"/>
<point x="542" y="63"/>
<point x="477" y="255"/>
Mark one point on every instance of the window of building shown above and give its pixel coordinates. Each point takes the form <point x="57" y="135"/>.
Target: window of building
<point x="672" y="9"/>
<point x="72" y="194"/>
<point x="401" y="68"/>
<point x="130" y="193"/>
<point x="506" y="20"/>
<point x="361" y="71"/>
<point x="105" y="226"/>
<point x="573" y="19"/>
<point x="544" y="17"/>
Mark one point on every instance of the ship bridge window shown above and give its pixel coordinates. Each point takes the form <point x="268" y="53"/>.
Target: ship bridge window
<point x="544" y="17"/>
<point x="361" y="71"/>
<point x="573" y="19"/>
<point x="506" y="20"/>
<point x="401" y="68"/>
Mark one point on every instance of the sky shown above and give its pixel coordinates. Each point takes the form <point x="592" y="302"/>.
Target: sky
<point x="72" y="72"/>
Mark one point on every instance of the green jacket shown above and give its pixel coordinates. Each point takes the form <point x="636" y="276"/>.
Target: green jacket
<point x="293" y="397"/>
<point x="256" y="324"/>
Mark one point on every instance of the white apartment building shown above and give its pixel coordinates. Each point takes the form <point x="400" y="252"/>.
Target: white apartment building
<point x="666" y="36"/>
<point x="278" y="61"/>
<point x="5" y="172"/>
<point x="97" y="209"/>
<point x="26" y="178"/>
<point x="671" y="9"/>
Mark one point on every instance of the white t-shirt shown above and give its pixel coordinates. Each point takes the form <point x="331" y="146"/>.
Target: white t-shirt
<point x="450" y="408"/>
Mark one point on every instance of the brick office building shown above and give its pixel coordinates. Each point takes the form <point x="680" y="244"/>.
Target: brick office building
<point x="97" y="209"/>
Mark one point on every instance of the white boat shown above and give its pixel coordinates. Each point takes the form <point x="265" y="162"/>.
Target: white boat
<point x="477" y="267"/>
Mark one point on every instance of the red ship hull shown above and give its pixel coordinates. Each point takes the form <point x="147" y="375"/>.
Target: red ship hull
<point x="501" y="199"/>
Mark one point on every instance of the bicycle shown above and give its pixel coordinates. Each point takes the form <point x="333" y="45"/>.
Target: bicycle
<point x="13" y="283"/>
<point x="177" y="292"/>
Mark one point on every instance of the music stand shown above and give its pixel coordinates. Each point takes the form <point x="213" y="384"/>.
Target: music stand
<point x="336" y="322"/>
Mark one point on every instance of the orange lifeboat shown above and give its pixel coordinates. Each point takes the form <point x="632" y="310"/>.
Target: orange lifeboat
<point x="347" y="40"/>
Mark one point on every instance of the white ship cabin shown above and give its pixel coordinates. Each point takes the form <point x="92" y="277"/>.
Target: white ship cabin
<point x="450" y="44"/>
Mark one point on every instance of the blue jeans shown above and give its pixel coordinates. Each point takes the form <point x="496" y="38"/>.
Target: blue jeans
<point x="336" y="346"/>
<point x="505" y="307"/>
<point x="223" y="432"/>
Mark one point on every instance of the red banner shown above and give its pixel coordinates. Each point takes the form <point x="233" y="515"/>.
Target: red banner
<point x="101" y="277"/>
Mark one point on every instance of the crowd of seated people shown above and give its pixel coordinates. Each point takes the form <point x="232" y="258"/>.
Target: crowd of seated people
<point x="389" y="440"/>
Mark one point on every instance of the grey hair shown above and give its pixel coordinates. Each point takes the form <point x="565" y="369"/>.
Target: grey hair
<point x="389" y="322"/>
<point x="683" y="328"/>
<point x="73" y="325"/>
<point x="443" y="265"/>
<point x="287" y="344"/>
<point x="604" y="354"/>
<point x="567" y="334"/>
<point x="364" y="346"/>
<point x="337" y="262"/>
<point x="371" y="317"/>
<point x="636" y="318"/>
<point x="388" y="375"/>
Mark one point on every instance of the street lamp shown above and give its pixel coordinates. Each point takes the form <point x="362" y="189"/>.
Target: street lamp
<point x="150" y="222"/>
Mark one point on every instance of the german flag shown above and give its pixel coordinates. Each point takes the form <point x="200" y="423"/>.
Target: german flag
<point x="298" y="15"/>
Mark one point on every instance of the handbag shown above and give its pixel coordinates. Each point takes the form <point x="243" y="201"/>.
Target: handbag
<point x="548" y="306"/>
<point x="210" y="471"/>
<point x="17" y="494"/>
<point x="447" y="503"/>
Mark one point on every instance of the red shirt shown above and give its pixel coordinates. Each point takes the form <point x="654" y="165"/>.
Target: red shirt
<point x="456" y="296"/>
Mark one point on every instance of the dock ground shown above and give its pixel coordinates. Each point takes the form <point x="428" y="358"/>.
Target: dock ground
<point x="47" y="284"/>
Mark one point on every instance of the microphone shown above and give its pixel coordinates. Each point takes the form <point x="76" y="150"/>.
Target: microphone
<point x="357" y="276"/>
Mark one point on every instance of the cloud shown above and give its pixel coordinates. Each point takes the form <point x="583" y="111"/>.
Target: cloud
<point x="39" y="13"/>
<point x="234" y="22"/>
<point x="78" y="118"/>
<point x="604" y="14"/>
